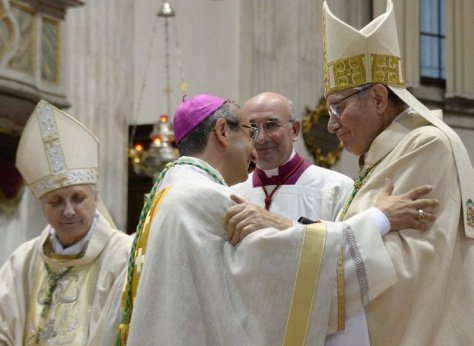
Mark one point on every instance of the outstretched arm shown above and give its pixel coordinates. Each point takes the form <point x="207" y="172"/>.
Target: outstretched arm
<point x="402" y="211"/>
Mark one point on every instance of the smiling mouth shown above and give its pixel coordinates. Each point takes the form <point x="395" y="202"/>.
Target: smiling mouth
<point x="340" y="135"/>
<point x="264" y="149"/>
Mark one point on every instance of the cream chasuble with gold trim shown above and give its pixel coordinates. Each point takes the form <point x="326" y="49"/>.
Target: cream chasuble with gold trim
<point x="78" y="296"/>
<point x="275" y="287"/>
<point x="69" y="292"/>
<point x="432" y="301"/>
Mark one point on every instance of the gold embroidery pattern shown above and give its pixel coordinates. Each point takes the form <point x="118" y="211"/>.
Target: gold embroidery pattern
<point x="325" y="56"/>
<point x="470" y="212"/>
<point x="386" y="69"/>
<point x="305" y="289"/>
<point x="344" y="73"/>
<point x="350" y="72"/>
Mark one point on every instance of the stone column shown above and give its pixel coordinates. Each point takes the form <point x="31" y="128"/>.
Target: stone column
<point x="98" y="77"/>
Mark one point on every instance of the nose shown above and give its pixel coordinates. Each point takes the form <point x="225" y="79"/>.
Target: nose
<point x="262" y="135"/>
<point x="69" y="210"/>
<point x="333" y="124"/>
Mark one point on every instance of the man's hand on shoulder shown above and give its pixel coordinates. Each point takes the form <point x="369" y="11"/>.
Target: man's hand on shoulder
<point x="244" y="218"/>
<point x="407" y="210"/>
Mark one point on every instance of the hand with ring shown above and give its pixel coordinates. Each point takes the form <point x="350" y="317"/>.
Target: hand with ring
<point x="421" y="214"/>
<point x="407" y="210"/>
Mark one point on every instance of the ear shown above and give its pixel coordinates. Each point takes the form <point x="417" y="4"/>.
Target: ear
<point x="380" y="97"/>
<point x="221" y="131"/>
<point x="296" y="129"/>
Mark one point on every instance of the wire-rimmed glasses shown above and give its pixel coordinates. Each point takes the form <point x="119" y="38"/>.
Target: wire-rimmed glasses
<point x="253" y="130"/>
<point x="332" y="109"/>
<point x="271" y="126"/>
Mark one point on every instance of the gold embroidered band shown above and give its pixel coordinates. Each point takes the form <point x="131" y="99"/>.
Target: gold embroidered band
<point x="341" y="293"/>
<point x="137" y="258"/>
<point x="387" y="69"/>
<point x="305" y="284"/>
<point x="350" y="72"/>
<point x="344" y="74"/>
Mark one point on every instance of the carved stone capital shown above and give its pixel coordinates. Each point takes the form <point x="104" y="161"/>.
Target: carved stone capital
<point x="55" y="8"/>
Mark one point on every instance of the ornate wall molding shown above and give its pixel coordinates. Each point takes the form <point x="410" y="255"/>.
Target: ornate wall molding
<point x="325" y="147"/>
<point x="30" y="58"/>
<point x="9" y="33"/>
<point x="56" y="8"/>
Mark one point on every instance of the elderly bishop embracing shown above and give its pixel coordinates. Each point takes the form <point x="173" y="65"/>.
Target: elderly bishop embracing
<point x="396" y="136"/>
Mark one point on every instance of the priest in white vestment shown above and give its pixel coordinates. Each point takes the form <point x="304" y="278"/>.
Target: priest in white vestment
<point x="54" y="287"/>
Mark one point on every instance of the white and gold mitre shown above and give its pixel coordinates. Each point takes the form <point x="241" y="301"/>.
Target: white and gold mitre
<point x="55" y="150"/>
<point x="353" y="57"/>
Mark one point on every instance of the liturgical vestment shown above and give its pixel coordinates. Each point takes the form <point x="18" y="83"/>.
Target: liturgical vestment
<point x="432" y="301"/>
<point x="310" y="191"/>
<point x="195" y="288"/>
<point x="317" y="194"/>
<point x="82" y="286"/>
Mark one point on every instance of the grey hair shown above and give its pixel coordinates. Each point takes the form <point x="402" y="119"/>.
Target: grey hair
<point x="195" y="142"/>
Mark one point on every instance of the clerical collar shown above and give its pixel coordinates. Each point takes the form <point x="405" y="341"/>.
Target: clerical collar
<point x="275" y="171"/>
<point x="288" y="173"/>
<point x="75" y="248"/>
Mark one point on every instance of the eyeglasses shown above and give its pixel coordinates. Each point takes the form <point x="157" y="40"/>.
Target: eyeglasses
<point x="253" y="130"/>
<point x="271" y="126"/>
<point x="333" y="109"/>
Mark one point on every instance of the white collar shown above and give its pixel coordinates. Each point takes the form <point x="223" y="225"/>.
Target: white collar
<point x="275" y="171"/>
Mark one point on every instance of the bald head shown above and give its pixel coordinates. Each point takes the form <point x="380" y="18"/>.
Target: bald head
<point x="269" y="101"/>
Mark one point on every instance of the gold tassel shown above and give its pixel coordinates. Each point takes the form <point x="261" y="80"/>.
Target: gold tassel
<point x="122" y="335"/>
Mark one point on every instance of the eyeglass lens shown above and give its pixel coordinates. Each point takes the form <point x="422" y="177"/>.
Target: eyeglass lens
<point x="271" y="125"/>
<point x="333" y="109"/>
<point x="252" y="130"/>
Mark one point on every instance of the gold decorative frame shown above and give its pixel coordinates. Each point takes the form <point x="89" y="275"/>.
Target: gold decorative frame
<point x="325" y="147"/>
